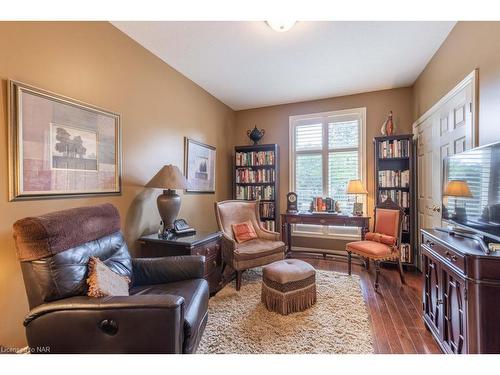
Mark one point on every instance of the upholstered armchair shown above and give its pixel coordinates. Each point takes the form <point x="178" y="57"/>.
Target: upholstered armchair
<point x="384" y="242"/>
<point x="166" y="311"/>
<point x="265" y="249"/>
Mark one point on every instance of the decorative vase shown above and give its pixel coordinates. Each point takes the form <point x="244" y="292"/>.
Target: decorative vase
<point x="388" y="127"/>
<point x="255" y="134"/>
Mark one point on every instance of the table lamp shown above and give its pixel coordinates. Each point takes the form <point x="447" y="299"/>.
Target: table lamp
<point x="458" y="189"/>
<point x="356" y="187"/>
<point x="168" y="178"/>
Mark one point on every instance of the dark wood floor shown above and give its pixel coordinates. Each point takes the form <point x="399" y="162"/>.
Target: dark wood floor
<point x="395" y="311"/>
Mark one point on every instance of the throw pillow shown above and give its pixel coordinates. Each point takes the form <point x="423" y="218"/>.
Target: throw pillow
<point x="244" y="231"/>
<point x="103" y="282"/>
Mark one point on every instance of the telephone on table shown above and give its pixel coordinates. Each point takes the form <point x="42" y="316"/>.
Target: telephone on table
<point x="182" y="228"/>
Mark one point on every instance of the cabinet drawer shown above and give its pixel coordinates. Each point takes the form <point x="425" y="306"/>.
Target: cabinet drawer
<point x="211" y="264"/>
<point x="209" y="250"/>
<point x="450" y="255"/>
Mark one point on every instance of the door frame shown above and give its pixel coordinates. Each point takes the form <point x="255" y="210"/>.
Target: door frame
<point x="472" y="78"/>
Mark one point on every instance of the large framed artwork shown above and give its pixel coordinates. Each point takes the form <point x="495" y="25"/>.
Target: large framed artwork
<point x="199" y="166"/>
<point x="59" y="147"/>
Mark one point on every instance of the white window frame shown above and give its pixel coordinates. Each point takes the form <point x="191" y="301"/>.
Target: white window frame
<point x="342" y="233"/>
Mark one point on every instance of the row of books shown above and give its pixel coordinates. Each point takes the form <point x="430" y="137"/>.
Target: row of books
<point x="255" y="192"/>
<point x="394" y="178"/>
<point x="406" y="223"/>
<point x="406" y="255"/>
<point x="394" y="149"/>
<point x="269" y="225"/>
<point x="402" y="198"/>
<point x="255" y="158"/>
<point x="245" y="175"/>
<point x="320" y="204"/>
<point x="267" y="209"/>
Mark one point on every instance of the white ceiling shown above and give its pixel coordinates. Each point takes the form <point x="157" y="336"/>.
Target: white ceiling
<point x="248" y="65"/>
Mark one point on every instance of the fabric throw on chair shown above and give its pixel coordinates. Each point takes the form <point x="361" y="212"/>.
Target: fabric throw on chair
<point x="338" y="323"/>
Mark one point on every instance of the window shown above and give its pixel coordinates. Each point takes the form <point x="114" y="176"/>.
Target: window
<point x="327" y="150"/>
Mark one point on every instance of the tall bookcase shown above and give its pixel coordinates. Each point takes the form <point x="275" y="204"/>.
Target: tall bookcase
<point x="256" y="176"/>
<point x="395" y="178"/>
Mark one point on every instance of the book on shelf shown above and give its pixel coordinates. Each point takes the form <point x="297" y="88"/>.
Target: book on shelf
<point x="246" y="175"/>
<point x="254" y="158"/>
<point x="405" y="250"/>
<point x="270" y="225"/>
<point x="402" y="198"/>
<point x="320" y="204"/>
<point x="391" y="178"/>
<point x="394" y="149"/>
<point x="255" y="192"/>
<point x="406" y="223"/>
<point x="267" y="209"/>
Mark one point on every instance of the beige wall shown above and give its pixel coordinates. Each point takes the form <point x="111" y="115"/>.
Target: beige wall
<point x="470" y="45"/>
<point x="96" y="63"/>
<point x="275" y="120"/>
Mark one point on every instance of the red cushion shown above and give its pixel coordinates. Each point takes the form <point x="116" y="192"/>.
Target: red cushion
<point x="370" y="249"/>
<point x="244" y="231"/>
<point x="382" y="238"/>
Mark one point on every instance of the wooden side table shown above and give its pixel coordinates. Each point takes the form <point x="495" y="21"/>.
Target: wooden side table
<point x="202" y="243"/>
<point x="288" y="219"/>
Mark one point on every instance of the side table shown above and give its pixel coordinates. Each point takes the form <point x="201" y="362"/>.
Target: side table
<point x="201" y="243"/>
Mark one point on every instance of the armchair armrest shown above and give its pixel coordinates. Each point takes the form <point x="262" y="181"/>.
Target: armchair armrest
<point x="128" y="324"/>
<point x="143" y="301"/>
<point x="148" y="271"/>
<point x="268" y="235"/>
<point x="229" y="245"/>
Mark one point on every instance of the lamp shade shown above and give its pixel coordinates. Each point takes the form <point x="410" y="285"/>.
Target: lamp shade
<point x="169" y="177"/>
<point x="356" y="187"/>
<point x="457" y="188"/>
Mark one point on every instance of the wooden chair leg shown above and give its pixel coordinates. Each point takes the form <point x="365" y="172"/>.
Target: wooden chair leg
<point x="400" y="268"/>
<point x="377" y="273"/>
<point x="349" y="262"/>
<point x="238" y="280"/>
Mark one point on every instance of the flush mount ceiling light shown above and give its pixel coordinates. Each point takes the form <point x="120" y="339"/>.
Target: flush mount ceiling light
<point x="281" y="26"/>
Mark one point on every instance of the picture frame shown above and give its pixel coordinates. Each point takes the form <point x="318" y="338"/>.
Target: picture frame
<point x="199" y="166"/>
<point x="60" y="147"/>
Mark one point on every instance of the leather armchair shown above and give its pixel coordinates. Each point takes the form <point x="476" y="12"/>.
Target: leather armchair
<point x="255" y="253"/>
<point x="166" y="311"/>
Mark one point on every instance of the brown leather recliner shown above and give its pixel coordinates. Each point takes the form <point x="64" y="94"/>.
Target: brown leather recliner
<point x="255" y="253"/>
<point x="166" y="311"/>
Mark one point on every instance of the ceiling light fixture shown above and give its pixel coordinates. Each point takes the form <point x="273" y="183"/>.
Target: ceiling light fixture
<point x="281" y="26"/>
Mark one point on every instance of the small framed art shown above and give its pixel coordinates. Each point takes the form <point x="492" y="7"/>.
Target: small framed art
<point x="199" y="166"/>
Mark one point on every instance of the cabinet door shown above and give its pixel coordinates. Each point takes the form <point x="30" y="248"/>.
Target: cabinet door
<point x="432" y="294"/>
<point x="454" y="312"/>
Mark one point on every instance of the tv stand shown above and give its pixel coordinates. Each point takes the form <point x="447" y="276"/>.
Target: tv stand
<point x="461" y="298"/>
<point x="467" y="234"/>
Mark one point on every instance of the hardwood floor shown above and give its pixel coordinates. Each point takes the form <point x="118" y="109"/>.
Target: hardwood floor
<point x="395" y="311"/>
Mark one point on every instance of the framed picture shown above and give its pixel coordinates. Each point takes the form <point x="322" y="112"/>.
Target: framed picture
<point x="199" y="166"/>
<point x="59" y="147"/>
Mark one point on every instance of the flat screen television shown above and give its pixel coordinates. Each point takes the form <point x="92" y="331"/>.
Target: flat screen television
<point x="471" y="190"/>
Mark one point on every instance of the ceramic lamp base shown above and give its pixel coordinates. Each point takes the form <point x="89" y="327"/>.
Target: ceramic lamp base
<point x="169" y="205"/>
<point x="357" y="209"/>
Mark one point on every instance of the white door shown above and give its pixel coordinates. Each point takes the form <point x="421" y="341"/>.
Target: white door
<point x="448" y="129"/>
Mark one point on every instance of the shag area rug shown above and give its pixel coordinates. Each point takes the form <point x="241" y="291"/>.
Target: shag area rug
<point x="239" y="323"/>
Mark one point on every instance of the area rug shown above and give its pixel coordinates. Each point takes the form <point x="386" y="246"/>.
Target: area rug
<point x="238" y="323"/>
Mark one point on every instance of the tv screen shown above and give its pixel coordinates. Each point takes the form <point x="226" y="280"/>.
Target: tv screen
<point x="471" y="190"/>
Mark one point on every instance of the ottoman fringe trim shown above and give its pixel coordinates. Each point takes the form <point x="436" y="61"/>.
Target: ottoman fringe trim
<point x="287" y="303"/>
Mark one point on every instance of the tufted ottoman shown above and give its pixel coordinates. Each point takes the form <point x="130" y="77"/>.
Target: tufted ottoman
<point x="288" y="286"/>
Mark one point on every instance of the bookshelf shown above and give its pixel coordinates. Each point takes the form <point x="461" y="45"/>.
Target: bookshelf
<point x="395" y="178"/>
<point x="256" y="176"/>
